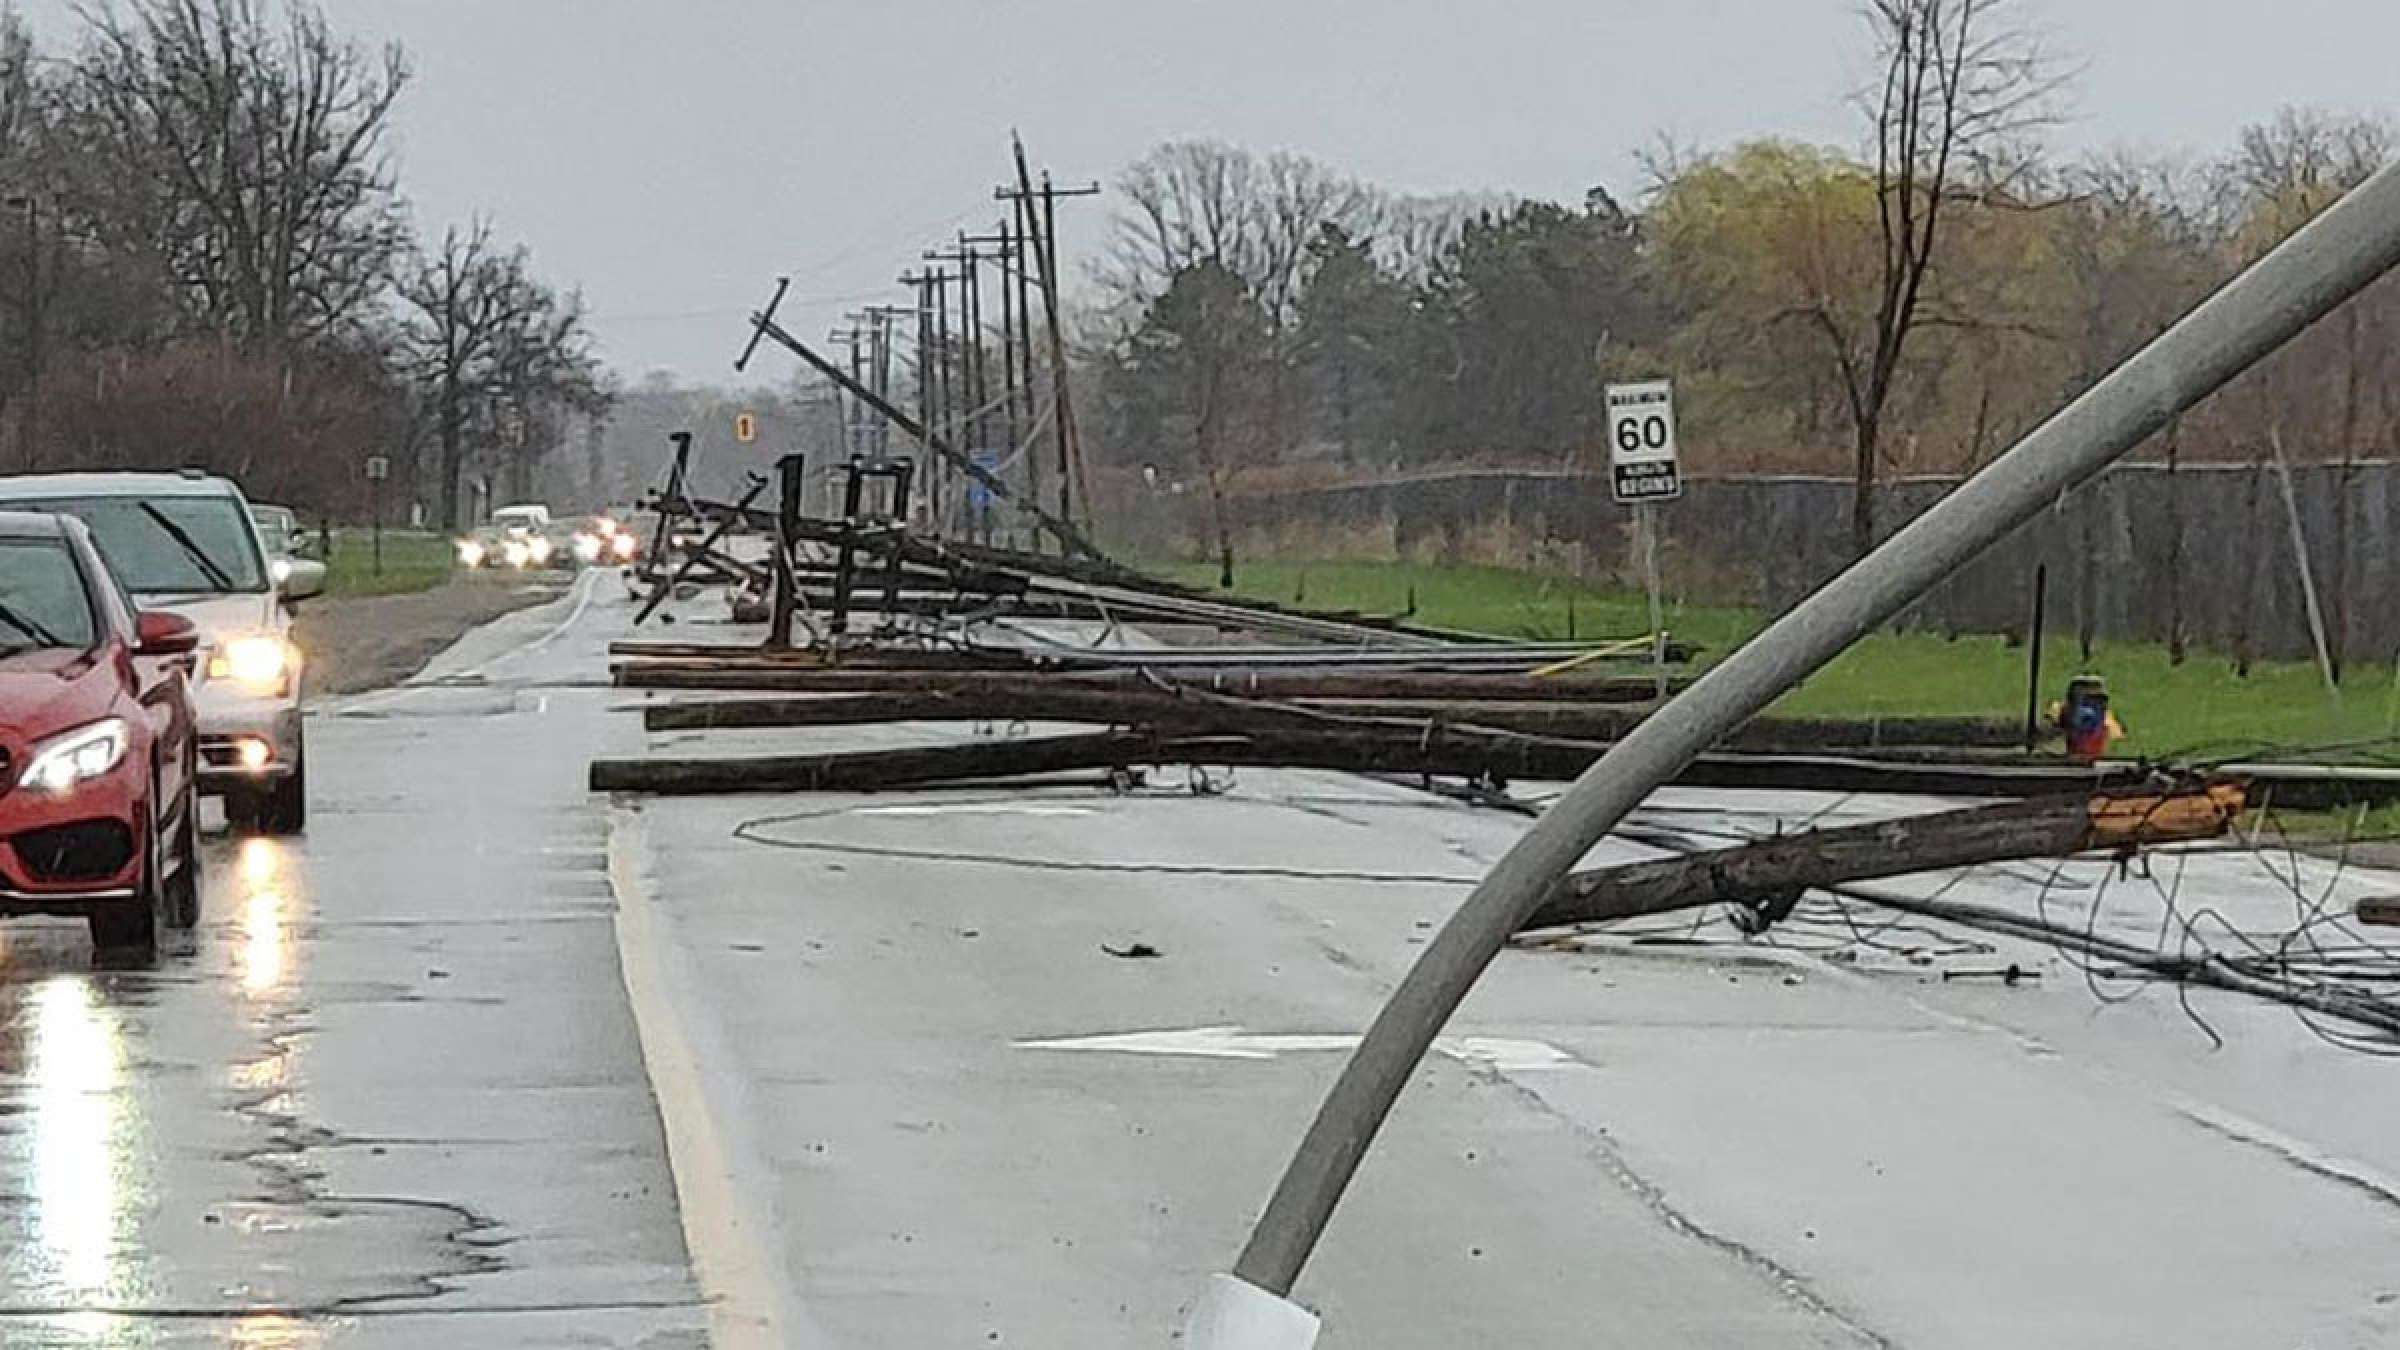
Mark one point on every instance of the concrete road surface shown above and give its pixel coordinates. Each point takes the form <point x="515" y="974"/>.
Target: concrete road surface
<point x="1019" y="1066"/>
<point x="477" y="1061"/>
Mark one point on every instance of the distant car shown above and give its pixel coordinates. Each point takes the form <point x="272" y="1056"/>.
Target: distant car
<point x="603" y="542"/>
<point x="185" y="542"/>
<point x="99" y="802"/>
<point x="518" y="536"/>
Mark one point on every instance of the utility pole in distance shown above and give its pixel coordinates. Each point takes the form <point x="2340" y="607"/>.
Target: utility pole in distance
<point x="923" y="281"/>
<point x="880" y="355"/>
<point x="1044" y="222"/>
<point x="1006" y="255"/>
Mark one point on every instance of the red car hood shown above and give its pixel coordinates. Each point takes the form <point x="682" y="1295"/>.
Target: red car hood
<point x="52" y="690"/>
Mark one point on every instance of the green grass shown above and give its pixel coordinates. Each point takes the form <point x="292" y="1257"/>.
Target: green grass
<point x="412" y="561"/>
<point x="2199" y="708"/>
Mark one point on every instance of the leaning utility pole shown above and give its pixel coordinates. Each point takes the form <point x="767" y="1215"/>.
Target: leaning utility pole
<point x="2327" y="261"/>
<point x="764" y="328"/>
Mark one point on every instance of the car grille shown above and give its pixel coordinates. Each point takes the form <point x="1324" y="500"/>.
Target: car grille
<point x="86" y="850"/>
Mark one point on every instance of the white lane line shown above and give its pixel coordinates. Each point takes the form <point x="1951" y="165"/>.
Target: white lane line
<point x="724" y="1189"/>
<point x="1230" y="1042"/>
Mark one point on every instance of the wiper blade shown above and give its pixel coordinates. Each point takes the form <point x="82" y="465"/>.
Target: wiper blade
<point x="191" y="548"/>
<point x="29" y="628"/>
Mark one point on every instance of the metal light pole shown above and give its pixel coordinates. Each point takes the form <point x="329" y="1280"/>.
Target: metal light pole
<point x="2326" y="262"/>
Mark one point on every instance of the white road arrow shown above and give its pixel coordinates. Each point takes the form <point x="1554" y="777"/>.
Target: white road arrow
<point x="1230" y="1042"/>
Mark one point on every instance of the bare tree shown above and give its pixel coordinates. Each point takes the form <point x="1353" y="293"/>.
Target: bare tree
<point x="1962" y="87"/>
<point x="543" y="375"/>
<point x="1194" y="202"/>
<point x="245" y="150"/>
<point x="465" y="304"/>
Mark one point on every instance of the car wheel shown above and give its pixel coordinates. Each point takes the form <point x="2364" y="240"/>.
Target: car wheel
<point x="279" y="806"/>
<point x="128" y="929"/>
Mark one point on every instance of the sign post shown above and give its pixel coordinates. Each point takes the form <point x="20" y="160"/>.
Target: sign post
<point x="379" y="467"/>
<point x="1643" y="471"/>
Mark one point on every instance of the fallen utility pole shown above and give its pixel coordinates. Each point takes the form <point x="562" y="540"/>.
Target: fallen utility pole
<point x="980" y="566"/>
<point x="1772" y="872"/>
<point x="865" y="677"/>
<point x="763" y="325"/>
<point x="1449" y="752"/>
<point x="1117" y="705"/>
<point x="2322" y="264"/>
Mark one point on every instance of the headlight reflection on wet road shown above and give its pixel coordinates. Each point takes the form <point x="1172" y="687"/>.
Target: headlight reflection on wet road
<point x="265" y="932"/>
<point x="271" y="1331"/>
<point x="75" y="1069"/>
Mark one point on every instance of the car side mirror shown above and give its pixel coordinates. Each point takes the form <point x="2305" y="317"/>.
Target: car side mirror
<point x="159" y="633"/>
<point x="305" y="578"/>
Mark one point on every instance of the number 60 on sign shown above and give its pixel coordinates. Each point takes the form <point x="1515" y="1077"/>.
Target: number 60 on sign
<point x="1641" y="442"/>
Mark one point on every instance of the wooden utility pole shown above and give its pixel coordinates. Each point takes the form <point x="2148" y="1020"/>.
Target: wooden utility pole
<point x="1044" y="226"/>
<point x="881" y="356"/>
<point x="1007" y="256"/>
<point x="1024" y="267"/>
<point x="945" y="389"/>
<point x="926" y="358"/>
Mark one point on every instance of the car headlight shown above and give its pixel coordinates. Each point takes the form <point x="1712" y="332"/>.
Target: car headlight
<point x="78" y="756"/>
<point x="539" y="548"/>
<point x="470" y="553"/>
<point x="605" y="525"/>
<point x="624" y="543"/>
<point x="516" y="553"/>
<point x="259" y="663"/>
<point x="587" y="546"/>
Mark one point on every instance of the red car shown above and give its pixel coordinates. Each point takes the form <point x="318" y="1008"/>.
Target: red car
<point x="99" y="811"/>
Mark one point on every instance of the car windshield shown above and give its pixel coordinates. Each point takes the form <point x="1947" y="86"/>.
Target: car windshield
<point x="274" y="532"/>
<point x="43" y="602"/>
<point x="170" y="544"/>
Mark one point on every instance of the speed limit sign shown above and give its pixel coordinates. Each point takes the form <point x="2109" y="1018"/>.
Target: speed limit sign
<point x="1641" y="442"/>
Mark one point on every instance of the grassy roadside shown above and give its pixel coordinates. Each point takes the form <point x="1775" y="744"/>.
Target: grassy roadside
<point x="360" y="642"/>
<point x="413" y="560"/>
<point x="2198" y="708"/>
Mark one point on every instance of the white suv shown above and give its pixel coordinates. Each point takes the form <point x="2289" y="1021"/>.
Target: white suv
<point x="186" y="542"/>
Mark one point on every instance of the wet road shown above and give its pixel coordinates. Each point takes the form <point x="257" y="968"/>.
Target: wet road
<point x="1017" y="1068"/>
<point x="389" y="1092"/>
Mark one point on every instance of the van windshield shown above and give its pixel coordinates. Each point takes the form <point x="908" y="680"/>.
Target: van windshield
<point x="159" y="545"/>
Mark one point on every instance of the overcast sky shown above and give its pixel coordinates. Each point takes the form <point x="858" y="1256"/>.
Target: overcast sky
<point x="672" y="157"/>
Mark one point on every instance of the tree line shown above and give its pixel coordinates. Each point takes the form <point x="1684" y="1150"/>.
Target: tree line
<point x="1906" y="306"/>
<point x="206" y="260"/>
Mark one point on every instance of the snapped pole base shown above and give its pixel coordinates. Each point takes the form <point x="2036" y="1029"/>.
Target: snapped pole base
<point x="1234" y="1314"/>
